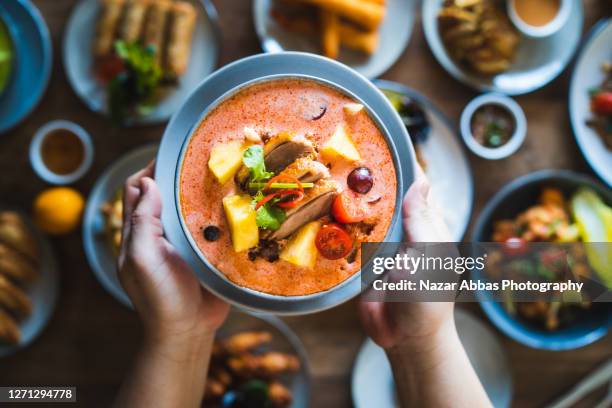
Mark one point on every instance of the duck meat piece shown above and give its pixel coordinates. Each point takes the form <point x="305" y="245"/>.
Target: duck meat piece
<point x="315" y="204"/>
<point x="280" y="150"/>
<point x="306" y="170"/>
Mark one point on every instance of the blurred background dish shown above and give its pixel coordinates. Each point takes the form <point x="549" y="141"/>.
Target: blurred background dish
<point x="6" y="56"/>
<point x="548" y="189"/>
<point x="370" y="52"/>
<point x="268" y="334"/>
<point x="100" y="226"/>
<point x="22" y="248"/>
<point x="512" y="65"/>
<point x="169" y="84"/>
<point x="30" y="61"/>
<point x="372" y="382"/>
<point x="439" y="152"/>
<point x="592" y="76"/>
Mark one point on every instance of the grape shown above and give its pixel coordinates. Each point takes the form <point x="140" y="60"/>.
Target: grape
<point x="360" y="180"/>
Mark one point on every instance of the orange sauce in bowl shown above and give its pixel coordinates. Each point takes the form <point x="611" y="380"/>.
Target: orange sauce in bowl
<point x="537" y="13"/>
<point x="62" y="151"/>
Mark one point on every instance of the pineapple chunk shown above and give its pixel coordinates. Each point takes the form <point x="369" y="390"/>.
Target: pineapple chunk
<point x="341" y="144"/>
<point x="301" y="249"/>
<point x="226" y="159"/>
<point x="241" y="218"/>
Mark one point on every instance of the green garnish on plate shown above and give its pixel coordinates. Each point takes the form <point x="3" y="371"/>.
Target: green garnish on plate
<point x="6" y="55"/>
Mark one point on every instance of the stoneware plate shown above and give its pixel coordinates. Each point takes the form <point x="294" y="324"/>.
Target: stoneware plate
<point x="283" y="340"/>
<point x="447" y="165"/>
<point x="537" y="62"/>
<point x="372" y="380"/>
<point x="98" y="250"/>
<point x="78" y="59"/>
<point x="394" y="36"/>
<point x="43" y="293"/>
<point x="32" y="61"/>
<point x="587" y="75"/>
<point x="212" y="90"/>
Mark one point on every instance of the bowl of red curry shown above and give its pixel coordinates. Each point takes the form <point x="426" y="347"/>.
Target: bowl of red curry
<point x="282" y="177"/>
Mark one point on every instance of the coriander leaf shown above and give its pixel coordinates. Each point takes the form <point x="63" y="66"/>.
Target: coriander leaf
<point x="269" y="217"/>
<point x="253" y="158"/>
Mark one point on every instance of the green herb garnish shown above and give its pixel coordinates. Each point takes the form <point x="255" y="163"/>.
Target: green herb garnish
<point x="253" y="159"/>
<point x="269" y="217"/>
<point x="134" y="90"/>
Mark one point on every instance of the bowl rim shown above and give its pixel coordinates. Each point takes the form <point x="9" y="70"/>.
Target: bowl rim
<point x="238" y="89"/>
<point x="504" y="322"/>
<point x="516" y="139"/>
<point x="547" y="29"/>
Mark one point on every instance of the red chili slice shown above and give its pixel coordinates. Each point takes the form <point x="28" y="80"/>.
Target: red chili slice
<point x="333" y="242"/>
<point x="290" y="198"/>
<point x="265" y="200"/>
<point x="284" y="178"/>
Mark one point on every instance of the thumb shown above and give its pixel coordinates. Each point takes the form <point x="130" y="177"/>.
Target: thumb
<point x="145" y="220"/>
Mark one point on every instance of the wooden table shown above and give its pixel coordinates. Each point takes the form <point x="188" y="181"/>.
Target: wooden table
<point x="92" y="338"/>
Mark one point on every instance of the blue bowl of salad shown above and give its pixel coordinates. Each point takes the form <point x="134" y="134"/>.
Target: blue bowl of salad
<point x="550" y="206"/>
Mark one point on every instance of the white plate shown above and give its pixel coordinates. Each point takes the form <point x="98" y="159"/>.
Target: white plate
<point x="394" y="36"/>
<point x="43" y="293"/>
<point x="78" y="59"/>
<point x="372" y="380"/>
<point x="99" y="254"/>
<point x="537" y="62"/>
<point x="587" y="75"/>
<point x="447" y="165"/>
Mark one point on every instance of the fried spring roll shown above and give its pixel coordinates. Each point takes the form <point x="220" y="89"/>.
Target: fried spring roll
<point x="365" y="13"/>
<point x="133" y="21"/>
<point x="181" y="34"/>
<point x="355" y="39"/>
<point x="107" y="26"/>
<point x="330" y="34"/>
<point x="155" y="26"/>
<point x="9" y="330"/>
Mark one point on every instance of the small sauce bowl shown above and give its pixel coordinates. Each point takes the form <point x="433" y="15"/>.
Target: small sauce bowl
<point x="544" y="30"/>
<point x="61" y="152"/>
<point x="514" y="141"/>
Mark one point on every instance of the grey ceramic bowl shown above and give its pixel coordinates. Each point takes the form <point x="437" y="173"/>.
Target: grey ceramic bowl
<point x="507" y="203"/>
<point x="226" y="82"/>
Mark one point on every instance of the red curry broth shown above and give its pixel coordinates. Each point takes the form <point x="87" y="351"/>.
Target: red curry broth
<point x="274" y="106"/>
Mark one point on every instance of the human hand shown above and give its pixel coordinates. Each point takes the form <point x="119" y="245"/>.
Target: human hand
<point x="163" y="289"/>
<point x="396" y="324"/>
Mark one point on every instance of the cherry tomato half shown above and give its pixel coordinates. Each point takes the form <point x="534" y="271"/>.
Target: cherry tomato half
<point x="601" y="103"/>
<point x="109" y="67"/>
<point x="333" y="242"/>
<point x="348" y="210"/>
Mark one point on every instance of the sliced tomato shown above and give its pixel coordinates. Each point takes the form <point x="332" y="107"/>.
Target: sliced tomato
<point x="333" y="242"/>
<point x="347" y="209"/>
<point x="601" y="103"/>
<point x="515" y="246"/>
<point x="109" y="67"/>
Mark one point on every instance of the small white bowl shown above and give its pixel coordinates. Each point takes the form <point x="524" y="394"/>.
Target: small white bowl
<point x="515" y="141"/>
<point x="38" y="163"/>
<point x="546" y="30"/>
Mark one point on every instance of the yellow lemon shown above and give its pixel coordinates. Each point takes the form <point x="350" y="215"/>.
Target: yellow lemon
<point x="58" y="210"/>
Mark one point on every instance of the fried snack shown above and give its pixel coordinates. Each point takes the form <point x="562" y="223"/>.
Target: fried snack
<point x="113" y="220"/>
<point x="16" y="266"/>
<point x="365" y="13"/>
<point x="155" y="26"/>
<point x="330" y="34"/>
<point x="246" y="341"/>
<point x="133" y="20"/>
<point x="181" y="35"/>
<point x="267" y="365"/>
<point x="279" y="394"/>
<point x="107" y="26"/>
<point x="9" y="330"/>
<point x="364" y="41"/>
<point x="478" y="35"/>
<point x="14" y="233"/>
<point x="14" y="299"/>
